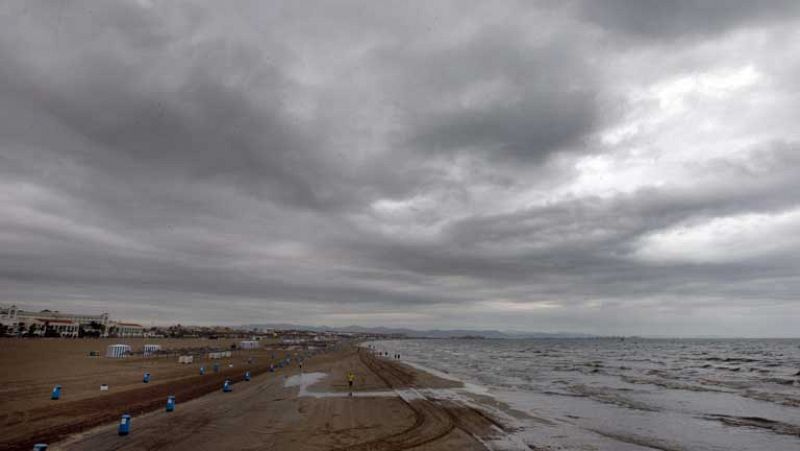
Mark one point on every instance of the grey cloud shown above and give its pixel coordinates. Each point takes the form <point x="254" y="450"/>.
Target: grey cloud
<point x="548" y="98"/>
<point x="192" y="159"/>
<point x="199" y="130"/>
<point x="583" y="247"/>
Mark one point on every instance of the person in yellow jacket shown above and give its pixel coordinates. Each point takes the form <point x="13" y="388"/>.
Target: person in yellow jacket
<point x="350" y="379"/>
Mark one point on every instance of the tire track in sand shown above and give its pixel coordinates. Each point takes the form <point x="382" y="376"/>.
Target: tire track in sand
<point x="432" y="421"/>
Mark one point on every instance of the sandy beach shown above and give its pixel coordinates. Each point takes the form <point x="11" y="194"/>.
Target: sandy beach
<point x="275" y="410"/>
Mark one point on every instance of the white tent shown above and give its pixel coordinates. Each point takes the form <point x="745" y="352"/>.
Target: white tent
<point x="249" y="344"/>
<point x="118" y="350"/>
<point x="186" y="359"/>
<point x="151" y="349"/>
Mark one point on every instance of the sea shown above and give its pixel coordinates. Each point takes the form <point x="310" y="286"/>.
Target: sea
<point x="625" y="393"/>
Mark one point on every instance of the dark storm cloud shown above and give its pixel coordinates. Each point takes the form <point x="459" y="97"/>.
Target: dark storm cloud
<point x="684" y="19"/>
<point x="513" y="165"/>
<point x="200" y="129"/>
<point x="500" y="95"/>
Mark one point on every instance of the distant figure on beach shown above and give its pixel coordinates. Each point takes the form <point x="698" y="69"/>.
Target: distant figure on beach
<point x="350" y="379"/>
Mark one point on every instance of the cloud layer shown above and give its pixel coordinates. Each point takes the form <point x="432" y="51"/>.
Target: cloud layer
<point x="609" y="167"/>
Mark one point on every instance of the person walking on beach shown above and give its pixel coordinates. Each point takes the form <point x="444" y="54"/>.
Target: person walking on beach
<point x="350" y="379"/>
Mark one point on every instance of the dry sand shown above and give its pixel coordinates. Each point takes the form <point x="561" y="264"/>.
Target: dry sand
<point x="266" y="414"/>
<point x="29" y="368"/>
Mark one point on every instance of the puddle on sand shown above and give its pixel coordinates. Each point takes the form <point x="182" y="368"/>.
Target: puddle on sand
<point x="303" y="381"/>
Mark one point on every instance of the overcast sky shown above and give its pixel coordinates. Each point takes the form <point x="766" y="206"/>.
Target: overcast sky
<point x="615" y="167"/>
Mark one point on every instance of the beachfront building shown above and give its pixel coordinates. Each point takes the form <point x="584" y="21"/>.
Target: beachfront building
<point x="60" y="327"/>
<point x="17" y="321"/>
<point x="49" y="322"/>
<point x="48" y="327"/>
<point x="118" y="329"/>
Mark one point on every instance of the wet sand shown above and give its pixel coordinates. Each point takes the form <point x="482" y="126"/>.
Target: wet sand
<point x="316" y="413"/>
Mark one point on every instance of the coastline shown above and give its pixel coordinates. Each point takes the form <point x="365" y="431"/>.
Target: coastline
<point x="632" y="395"/>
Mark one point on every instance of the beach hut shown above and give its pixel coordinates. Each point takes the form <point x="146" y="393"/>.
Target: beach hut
<point x="151" y="349"/>
<point x="118" y="350"/>
<point x="248" y="344"/>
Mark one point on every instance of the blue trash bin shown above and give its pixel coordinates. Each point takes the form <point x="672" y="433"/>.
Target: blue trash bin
<point x="40" y="447"/>
<point x="56" y="394"/>
<point x="202" y="370"/>
<point x="125" y="425"/>
<point x="226" y="387"/>
<point x="146" y="378"/>
<point x="170" y="403"/>
<point x="247" y="376"/>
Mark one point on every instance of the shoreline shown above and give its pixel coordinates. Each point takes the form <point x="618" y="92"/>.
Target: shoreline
<point x="571" y="395"/>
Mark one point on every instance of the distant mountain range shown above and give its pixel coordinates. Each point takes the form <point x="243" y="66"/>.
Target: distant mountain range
<point x="435" y="333"/>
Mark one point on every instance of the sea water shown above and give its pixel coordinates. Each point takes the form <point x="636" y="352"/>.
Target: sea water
<point x="629" y="394"/>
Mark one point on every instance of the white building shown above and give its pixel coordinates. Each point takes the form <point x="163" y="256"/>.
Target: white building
<point x="59" y="327"/>
<point x="117" y="329"/>
<point x="66" y="324"/>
